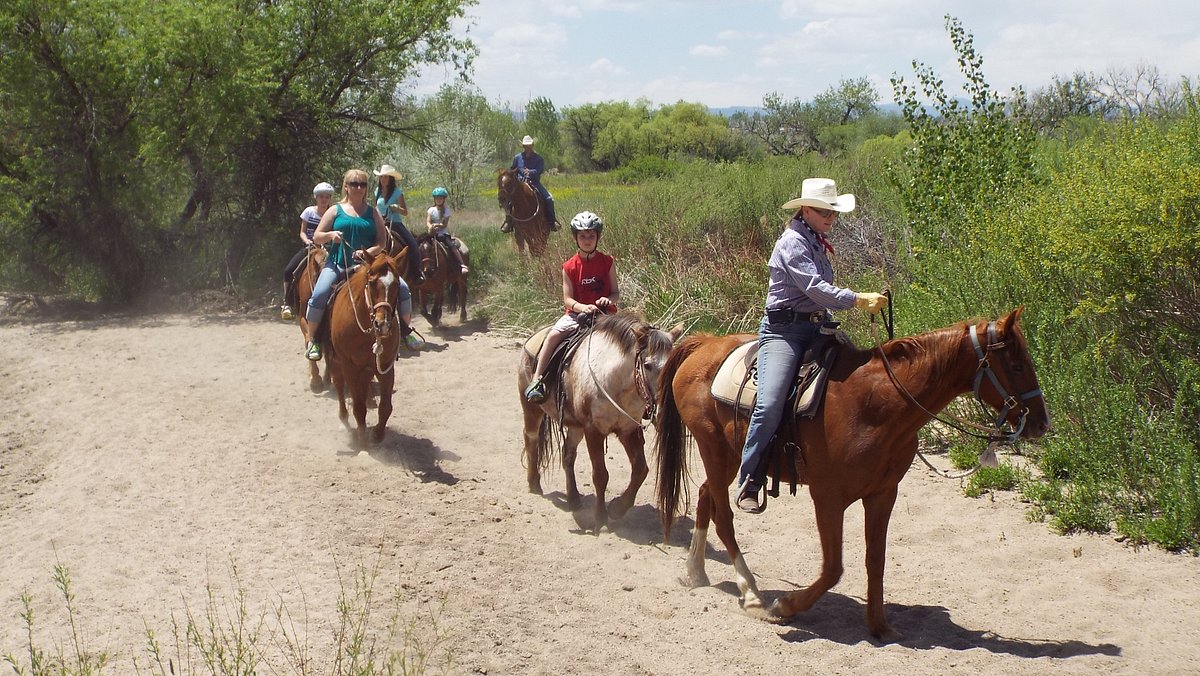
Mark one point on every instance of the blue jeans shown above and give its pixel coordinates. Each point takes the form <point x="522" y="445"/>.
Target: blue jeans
<point x="329" y="276"/>
<point x="414" y="255"/>
<point x="781" y="347"/>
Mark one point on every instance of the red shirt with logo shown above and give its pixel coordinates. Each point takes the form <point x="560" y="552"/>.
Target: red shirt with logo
<point x="589" y="277"/>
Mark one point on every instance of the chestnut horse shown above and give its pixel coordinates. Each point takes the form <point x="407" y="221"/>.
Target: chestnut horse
<point x="364" y="336"/>
<point x="441" y="273"/>
<point x="607" y="387"/>
<point x="520" y="201"/>
<point x="857" y="447"/>
<point x="306" y="279"/>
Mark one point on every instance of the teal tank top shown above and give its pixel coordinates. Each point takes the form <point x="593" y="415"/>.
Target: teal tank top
<point x="358" y="232"/>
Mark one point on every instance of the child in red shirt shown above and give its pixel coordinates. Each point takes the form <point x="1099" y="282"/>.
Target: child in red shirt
<point x="589" y="284"/>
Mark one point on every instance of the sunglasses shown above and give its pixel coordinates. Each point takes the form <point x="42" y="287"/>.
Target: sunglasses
<point x="357" y="184"/>
<point x="823" y="213"/>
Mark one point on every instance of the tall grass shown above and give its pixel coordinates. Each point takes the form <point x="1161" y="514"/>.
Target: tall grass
<point x="1102" y="250"/>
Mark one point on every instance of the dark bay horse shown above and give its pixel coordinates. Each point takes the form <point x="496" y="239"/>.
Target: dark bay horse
<point x="306" y="279"/>
<point x="607" y="388"/>
<point x="442" y="274"/>
<point x="364" y="336"/>
<point x="520" y="201"/>
<point x="858" y="447"/>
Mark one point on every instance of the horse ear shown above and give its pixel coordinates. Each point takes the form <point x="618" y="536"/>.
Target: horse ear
<point x="1011" y="320"/>
<point x="676" y="331"/>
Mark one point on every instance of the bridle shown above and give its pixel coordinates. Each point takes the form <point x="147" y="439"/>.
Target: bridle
<point x="1001" y="431"/>
<point x="371" y="306"/>
<point x="639" y="380"/>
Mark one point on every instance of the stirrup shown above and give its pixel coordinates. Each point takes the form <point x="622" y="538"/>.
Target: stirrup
<point x="536" y="392"/>
<point x="314" y="352"/>
<point x="506" y="226"/>
<point x="413" y="342"/>
<point x="747" y="499"/>
<point x="286" y="314"/>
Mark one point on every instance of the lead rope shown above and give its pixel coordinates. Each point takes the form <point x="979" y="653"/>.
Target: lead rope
<point x="636" y="369"/>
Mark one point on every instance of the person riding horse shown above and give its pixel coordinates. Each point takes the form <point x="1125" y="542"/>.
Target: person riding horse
<point x="529" y="167"/>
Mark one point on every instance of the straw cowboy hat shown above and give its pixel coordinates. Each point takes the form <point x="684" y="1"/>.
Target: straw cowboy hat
<point x="527" y="141"/>
<point x="822" y="194"/>
<point x="388" y="170"/>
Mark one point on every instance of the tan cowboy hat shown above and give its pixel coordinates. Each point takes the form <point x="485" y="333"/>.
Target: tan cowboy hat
<point x="527" y="141"/>
<point x="388" y="170"/>
<point x="822" y="194"/>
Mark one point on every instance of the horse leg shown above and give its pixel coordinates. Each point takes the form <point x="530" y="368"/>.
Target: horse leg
<point x="569" y="452"/>
<point x="722" y="516"/>
<point x="878" y="512"/>
<point x="339" y="384"/>
<point x="386" y="383"/>
<point x="595" y="446"/>
<point x="829" y="513"/>
<point x="360" y="386"/>
<point x="535" y="444"/>
<point x="696" y="577"/>
<point x="635" y="447"/>
<point x="461" y="288"/>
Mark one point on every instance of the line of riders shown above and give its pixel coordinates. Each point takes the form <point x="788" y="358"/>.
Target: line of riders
<point x="800" y="286"/>
<point x="355" y="226"/>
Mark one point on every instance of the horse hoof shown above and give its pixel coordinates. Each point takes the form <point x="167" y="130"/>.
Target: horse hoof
<point x="572" y="502"/>
<point x="888" y="635"/>
<point x="617" y="509"/>
<point x="317" y="387"/>
<point x="693" y="580"/>
<point x="535" y="487"/>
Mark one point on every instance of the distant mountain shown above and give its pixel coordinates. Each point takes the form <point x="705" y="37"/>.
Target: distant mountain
<point x="886" y="108"/>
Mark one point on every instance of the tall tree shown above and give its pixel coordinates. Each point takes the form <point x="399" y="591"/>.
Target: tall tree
<point x="541" y="122"/>
<point x="149" y="134"/>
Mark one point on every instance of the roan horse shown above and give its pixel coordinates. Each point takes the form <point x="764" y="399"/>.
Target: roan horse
<point x="520" y="201"/>
<point x="607" y="387"/>
<point x="306" y="279"/>
<point x="364" y="336"/>
<point x="858" y="447"/>
<point x="441" y="274"/>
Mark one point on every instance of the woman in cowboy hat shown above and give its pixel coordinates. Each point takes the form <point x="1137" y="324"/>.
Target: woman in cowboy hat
<point x="799" y="296"/>
<point x="389" y="200"/>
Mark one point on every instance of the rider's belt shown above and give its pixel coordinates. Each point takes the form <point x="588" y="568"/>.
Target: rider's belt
<point x="787" y="315"/>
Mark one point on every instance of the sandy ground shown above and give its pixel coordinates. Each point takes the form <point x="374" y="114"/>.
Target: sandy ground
<point x="155" y="456"/>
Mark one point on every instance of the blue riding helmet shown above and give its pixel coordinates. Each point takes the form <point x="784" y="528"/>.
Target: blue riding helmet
<point x="440" y="192"/>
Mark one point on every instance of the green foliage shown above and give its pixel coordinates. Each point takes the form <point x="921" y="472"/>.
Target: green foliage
<point x="81" y="661"/>
<point x="833" y="122"/>
<point x="541" y="122"/>
<point x="645" y="168"/>
<point x="150" y="140"/>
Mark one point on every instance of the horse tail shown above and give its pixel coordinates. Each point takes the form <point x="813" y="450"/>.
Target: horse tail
<point x="670" y="446"/>
<point x="544" y="450"/>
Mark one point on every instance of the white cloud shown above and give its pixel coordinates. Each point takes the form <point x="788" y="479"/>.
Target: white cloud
<point x="708" y="50"/>
<point x="605" y="67"/>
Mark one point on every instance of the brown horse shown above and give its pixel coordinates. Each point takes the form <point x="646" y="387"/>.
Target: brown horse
<point x="520" y="201"/>
<point x="441" y="274"/>
<point x="858" y="447"/>
<point x="364" y="336"/>
<point x="606" y="388"/>
<point x="306" y="279"/>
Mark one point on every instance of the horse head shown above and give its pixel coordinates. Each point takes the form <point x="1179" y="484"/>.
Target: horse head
<point x="505" y="180"/>
<point x="427" y="247"/>
<point x="1005" y="377"/>
<point x="381" y="292"/>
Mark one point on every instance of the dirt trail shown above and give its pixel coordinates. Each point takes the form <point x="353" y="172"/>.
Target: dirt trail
<point x="152" y="455"/>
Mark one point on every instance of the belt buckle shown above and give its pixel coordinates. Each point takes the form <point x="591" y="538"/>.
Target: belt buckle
<point x="817" y="317"/>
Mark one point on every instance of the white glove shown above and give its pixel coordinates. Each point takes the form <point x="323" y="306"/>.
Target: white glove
<point x="871" y="302"/>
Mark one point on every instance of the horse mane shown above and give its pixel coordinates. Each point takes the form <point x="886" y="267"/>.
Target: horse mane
<point x="926" y="352"/>
<point x="621" y="328"/>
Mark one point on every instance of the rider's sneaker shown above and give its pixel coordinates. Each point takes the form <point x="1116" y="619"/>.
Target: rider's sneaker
<point x="555" y="226"/>
<point x="286" y="314"/>
<point x="413" y="342"/>
<point x="465" y="270"/>
<point x="506" y="227"/>
<point x="314" y="352"/>
<point x="536" y="392"/>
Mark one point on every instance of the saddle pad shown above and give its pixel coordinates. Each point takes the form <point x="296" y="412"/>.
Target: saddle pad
<point x="728" y="381"/>
<point x="732" y="387"/>
<point x="534" y="343"/>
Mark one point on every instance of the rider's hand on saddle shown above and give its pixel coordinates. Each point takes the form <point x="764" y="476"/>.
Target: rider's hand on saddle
<point x="871" y="302"/>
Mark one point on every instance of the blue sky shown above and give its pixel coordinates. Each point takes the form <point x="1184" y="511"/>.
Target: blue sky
<point x="733" y="52"/>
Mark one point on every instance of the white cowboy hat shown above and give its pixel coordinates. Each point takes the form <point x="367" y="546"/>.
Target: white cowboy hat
<point x="822" y="194"/>
<point x="527" y="141"/>
<point x="388" y="170"/>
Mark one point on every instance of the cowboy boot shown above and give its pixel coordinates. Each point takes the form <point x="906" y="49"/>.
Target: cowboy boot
<point x="506" y="226"/>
